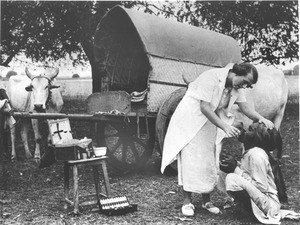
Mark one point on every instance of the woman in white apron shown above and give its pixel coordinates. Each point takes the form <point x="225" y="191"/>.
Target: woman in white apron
<point x="192" y="131"/>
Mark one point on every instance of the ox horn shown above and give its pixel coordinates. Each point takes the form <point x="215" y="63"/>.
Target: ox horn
<point x="30" y="75"/>
<point x="54" y="86"/>
<point x="53" y="75"/>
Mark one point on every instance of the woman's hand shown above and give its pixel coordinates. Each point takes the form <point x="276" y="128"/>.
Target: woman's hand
<point x="269" y="124"/>
<point x="255" y="116"/>
<point x="231" y="131"/>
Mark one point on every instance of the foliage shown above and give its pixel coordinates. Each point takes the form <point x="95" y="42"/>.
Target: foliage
<point x="76" y="75"/>
<point x="296" y="70"/>
<point x="51" y="30"/>
<point x="288" y="72"/>
<point x="267" y="31"/>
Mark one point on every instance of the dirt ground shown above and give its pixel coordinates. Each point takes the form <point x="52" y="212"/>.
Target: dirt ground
<point x="34" y="196"/>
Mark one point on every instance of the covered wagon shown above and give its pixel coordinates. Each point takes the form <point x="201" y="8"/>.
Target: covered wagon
<point x="145" y="54"/>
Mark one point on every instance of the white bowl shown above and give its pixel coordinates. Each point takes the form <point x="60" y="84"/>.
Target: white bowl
<point x="100" y="151"/>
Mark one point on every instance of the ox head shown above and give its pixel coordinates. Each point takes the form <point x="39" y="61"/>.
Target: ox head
<point x="40" y="87"/>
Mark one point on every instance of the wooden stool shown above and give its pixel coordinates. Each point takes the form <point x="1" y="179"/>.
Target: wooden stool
<point x="68" y="150"/>
<point x="95" y="162"/>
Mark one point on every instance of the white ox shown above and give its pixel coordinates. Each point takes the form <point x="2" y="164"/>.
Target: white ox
<point x="33" y="93"/>
<point x="268" y="96"/>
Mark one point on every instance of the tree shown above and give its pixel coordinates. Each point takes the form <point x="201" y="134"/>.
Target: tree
<point x="267" y="31"/>
<point x="51" y="30"/>
<point x="75" y="75"/>
<point x="296" y="70"/>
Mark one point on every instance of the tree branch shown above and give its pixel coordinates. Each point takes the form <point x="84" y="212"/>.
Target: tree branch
<point x="8" y="60"/>
<point x="147" y="5"/>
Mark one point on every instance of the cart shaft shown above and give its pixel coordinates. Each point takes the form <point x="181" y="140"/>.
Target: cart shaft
<point x="82" y="117"/>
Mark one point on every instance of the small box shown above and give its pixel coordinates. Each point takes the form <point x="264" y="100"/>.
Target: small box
<point x="65" y="147"/>
<point x="71" y="151"/>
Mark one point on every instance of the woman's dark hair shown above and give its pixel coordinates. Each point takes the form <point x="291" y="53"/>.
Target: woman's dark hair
<point x="243" y="69"/>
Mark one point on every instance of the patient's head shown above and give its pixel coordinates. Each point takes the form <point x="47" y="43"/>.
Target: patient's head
<point x="258" y="135"/>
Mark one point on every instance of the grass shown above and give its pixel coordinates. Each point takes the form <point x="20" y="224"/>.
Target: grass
<point x="34" y="196"/>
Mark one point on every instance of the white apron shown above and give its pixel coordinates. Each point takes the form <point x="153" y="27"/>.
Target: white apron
<point x="188" y="119"/>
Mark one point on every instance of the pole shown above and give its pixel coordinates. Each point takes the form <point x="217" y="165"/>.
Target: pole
<point x="83" y="117"/>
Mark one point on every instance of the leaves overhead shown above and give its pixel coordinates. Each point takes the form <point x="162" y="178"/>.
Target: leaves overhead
<point x="267" y="31"/>
<point x="50" y="29"/>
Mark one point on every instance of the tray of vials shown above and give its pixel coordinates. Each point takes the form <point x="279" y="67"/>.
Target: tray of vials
<point x="116" y="206"/>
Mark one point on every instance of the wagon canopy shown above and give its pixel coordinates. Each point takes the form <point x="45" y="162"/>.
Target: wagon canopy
<point x="138" y="51"/>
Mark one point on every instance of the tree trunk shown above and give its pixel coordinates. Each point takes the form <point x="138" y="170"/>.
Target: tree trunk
<point x="96" y="77"/>
<point x="96" y="73"/>
<point x="8" y="60"/>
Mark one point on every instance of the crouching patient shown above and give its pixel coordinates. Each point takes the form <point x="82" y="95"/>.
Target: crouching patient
<point x="252" y="183"/>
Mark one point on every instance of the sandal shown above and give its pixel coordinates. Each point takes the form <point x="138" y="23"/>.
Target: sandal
<point x="188" y="210"/>
<point x="211" y="208"/>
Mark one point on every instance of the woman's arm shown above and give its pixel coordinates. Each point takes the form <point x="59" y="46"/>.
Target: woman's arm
<point x="253" y="115"/>
<point x="206" y="109"/>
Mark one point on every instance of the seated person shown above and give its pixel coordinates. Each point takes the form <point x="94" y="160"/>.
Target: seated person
<point x="252" y="183"/>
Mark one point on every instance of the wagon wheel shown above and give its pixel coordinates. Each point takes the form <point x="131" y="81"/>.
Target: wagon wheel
<point x="125" y="150"/>
<point x="163" y="118"/>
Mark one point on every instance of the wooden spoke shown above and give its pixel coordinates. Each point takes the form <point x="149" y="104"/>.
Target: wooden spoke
<point x="125" y="150"/>
<point x="114" y="148"/>
<point x="134" y="151"/>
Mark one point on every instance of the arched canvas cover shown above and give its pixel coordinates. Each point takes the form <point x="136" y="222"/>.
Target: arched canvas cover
<point x="140" y="51"/>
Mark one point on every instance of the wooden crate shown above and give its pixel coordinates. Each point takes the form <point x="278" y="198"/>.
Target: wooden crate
<point x="65" y="147"/>
<point x="65" y="153"/>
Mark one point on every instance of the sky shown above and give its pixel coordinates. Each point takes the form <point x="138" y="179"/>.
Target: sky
<point x="67" y="69"/>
